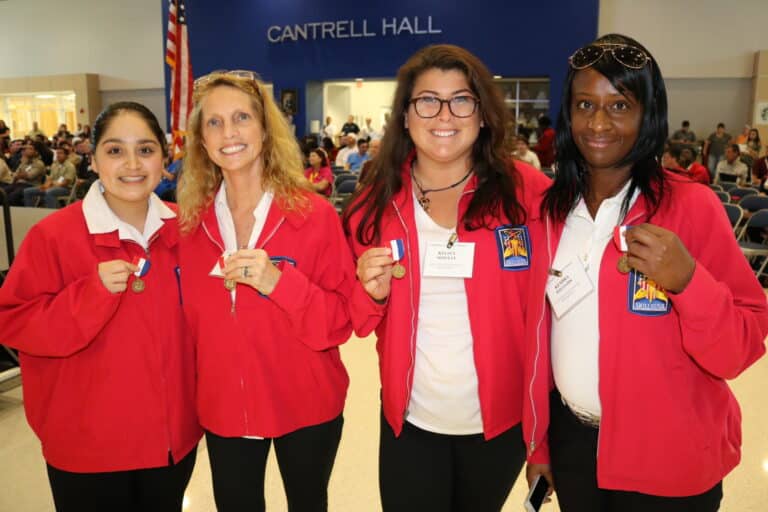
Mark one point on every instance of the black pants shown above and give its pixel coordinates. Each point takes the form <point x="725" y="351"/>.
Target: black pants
<point x="422" y="470"/>
<point x="573" y="450"/>
<point x="305" y="458"/>
<point x="153" y="490"/>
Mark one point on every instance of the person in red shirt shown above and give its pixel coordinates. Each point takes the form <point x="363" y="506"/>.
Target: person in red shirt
<point x="319" y="172"/>
<point x="450" y="340"/>
<point x="641" y="332"/>
<point x="545" y="148"/>
<point x="93" y="304"/>
<point x="266" y="273"/>
<point x="696" y="171"/>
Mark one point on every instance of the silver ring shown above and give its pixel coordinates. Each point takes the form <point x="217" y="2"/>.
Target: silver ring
<point x="245" y="271"/>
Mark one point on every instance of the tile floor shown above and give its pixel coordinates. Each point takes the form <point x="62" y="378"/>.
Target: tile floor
<point x="353" y="488"/>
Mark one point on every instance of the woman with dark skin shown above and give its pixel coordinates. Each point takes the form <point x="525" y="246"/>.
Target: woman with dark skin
<point x="655" y="320"/>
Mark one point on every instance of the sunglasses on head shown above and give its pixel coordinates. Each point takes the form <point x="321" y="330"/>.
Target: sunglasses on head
<point x="626" y="55"/>
<point x="213" y="75"/>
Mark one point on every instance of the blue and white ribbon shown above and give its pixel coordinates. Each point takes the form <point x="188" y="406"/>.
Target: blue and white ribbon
<point x="398" y="249"/>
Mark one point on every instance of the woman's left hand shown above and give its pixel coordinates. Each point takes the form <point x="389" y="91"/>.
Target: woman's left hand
<point x="661" y="255"/>
<point x="252" y="267"/>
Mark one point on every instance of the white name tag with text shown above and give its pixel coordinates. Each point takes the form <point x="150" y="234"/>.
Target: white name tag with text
<point x="440" y="261"/>
<point x="569" y="288"/>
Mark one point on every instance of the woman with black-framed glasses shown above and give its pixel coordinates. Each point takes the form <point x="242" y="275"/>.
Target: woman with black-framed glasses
<point x="440" y="230"/>
<point x="649" y="307"/>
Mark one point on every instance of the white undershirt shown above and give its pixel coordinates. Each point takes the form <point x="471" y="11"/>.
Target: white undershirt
<point x="576" y="335"/>
<point x="444" y="398"/>
<point x="229" y="235"/>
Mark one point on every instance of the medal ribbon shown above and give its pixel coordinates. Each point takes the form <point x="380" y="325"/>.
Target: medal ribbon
<point x="620" y="238"/>
<point x="143" y="265"/>
<point x="398" y="249"/>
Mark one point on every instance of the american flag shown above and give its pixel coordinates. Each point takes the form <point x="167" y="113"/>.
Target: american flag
<point x="177" y="57"/>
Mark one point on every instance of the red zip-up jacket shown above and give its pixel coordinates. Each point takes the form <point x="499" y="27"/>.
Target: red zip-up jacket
<point x="496" y="297"/>
<point x="108" y="378"/>
<point x="267" y="366"/>
<point x="670" y="425"/>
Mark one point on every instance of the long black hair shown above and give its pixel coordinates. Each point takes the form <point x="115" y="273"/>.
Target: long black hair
<point x="496" y="191"/>
<point x="647" y="86"/>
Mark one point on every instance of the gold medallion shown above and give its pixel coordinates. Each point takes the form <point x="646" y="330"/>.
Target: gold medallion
<point x="623" y="264"/>
<point x="138" y="285"/>
<point x="230" y="284"/>
<point x="398" y="271"/>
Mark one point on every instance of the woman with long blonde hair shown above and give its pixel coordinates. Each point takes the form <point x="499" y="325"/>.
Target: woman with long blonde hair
<point x="265" y="275"/>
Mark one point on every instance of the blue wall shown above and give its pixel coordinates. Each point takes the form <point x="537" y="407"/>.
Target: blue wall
<point x="517" y="39"/>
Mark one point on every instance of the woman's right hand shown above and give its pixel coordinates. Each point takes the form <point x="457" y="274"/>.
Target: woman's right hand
<point x="374" y="271"/>
<point x="114" y="274"/>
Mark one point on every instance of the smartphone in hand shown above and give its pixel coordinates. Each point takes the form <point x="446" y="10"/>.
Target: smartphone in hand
<point x="536" y="495"/>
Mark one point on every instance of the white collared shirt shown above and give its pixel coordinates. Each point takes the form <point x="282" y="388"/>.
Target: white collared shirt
<point x="576" y="335"/>
<point x="100" y="218"/>
<point x="227" y="223"/>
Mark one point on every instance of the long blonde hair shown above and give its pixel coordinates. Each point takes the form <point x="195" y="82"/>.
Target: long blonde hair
<point x="283" y="170"/>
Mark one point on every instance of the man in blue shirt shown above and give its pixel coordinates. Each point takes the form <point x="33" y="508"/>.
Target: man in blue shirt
<point x="356" y="160"/>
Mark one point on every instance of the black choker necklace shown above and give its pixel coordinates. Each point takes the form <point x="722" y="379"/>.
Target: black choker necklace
<point x="423" y="199"/>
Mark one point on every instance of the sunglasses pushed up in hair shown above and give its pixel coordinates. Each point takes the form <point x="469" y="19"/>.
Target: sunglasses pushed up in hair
<point x="627" y="55"/>
<point x="213" y="75"/>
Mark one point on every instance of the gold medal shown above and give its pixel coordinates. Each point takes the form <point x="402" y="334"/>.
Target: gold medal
<point x="398" y="271"/>
<point x="230" y="284"/>
<point x="623" y="264"/>
<point x="138" y="285"/>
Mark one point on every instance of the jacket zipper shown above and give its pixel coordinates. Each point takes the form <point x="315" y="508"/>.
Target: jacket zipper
<point x="232" y="296"/>
<point x="163" y="379"/>
<point x="413" y="312"/>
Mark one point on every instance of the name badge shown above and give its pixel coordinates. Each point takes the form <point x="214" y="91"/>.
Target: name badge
<point x="440" y="261"/>
<point x="568" y="288"/>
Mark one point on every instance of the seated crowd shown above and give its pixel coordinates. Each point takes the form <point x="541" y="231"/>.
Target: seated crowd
<point x="39" y="171"/>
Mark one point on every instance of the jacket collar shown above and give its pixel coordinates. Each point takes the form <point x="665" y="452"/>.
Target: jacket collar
<point x="105" y="227"/>
<point x="276" y="215"/>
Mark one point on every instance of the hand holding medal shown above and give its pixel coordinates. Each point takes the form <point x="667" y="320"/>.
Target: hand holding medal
<point x="252" y="267"/>
<point x="660" y="255"/>
<point x="375" y="270"/>
<point x="114" y="274"/>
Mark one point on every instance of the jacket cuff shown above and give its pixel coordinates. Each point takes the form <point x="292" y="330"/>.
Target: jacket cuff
<point x="688" y="303"/>
<point x="291" y="290"/>
<point x="541" y="454"/>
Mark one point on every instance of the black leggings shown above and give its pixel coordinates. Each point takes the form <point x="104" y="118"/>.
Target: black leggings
<point x="573" y="450"/>
<point x="152" y="490"/>
<point x="305" y="458"/>
<point x="422" y="470"/>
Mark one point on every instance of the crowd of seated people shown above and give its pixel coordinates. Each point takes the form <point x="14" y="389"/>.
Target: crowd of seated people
<point x="37" y="170"/>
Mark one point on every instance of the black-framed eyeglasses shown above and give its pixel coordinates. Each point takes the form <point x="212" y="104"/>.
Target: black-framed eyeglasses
<point x="428" y="107"/>
<point x="626" y="55"/>
<point x="213" y="75"/>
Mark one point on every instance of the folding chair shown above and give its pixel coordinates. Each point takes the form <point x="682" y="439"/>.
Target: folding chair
<point x="10" y="373"/>
<point x="753" y="202"/>
<point x="716" y="188"/>
<point x="737" y="193"/>
<point x="724" y="197"/>
<point x="343" y="187"/>
<point x="755" y="250"/>
<point x="735" y="214"/>
<point x="727" y="186"/>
